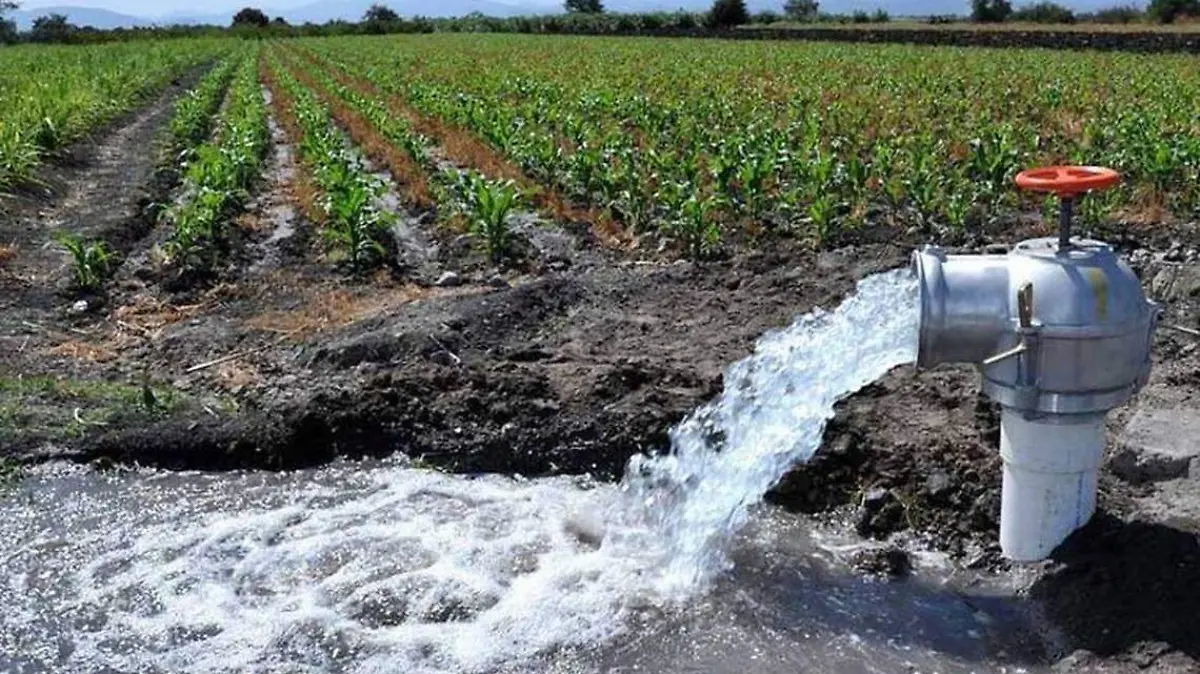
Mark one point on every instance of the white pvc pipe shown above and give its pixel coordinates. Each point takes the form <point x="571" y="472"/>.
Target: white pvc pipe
<point x="1051" y="465"/>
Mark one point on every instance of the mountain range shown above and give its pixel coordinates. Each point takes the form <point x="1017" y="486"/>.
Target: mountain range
<point x="352" y="10"/>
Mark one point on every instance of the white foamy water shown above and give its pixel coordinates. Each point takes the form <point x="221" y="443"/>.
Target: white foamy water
<point x="770" y="416"/>
<point x="386" y="568"/>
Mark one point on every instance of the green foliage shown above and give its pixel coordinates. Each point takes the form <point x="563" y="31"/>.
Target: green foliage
<point x="801" y="10"/>
<point x="1043" y="12"/>
<point x="8" y="29"/>
<point x="1167" y="11"/>
<point x="218" y="173"/>
<point x="91" y="261"/>
<point x="766" y="18"/>
<point x="195" y="110"/>
<point x="728" y="13"/>
<point x="801" y="137"/>
<point x="251" y="17"/>
<point x="52" y="95"/>
<point x="492" y="202"/>
<point x="1122" y="14"/>
<point x="380" y="14"/>
<point x="697" y="227"/>
<point x="354" y="224"/>
<point x="52" y="28"/>
<point x="584" y="6"/>
<point x="990" y="11"/>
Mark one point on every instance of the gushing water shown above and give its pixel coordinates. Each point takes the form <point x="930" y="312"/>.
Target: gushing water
<point x="770" y="417"/>
<point x="387" y="568"/>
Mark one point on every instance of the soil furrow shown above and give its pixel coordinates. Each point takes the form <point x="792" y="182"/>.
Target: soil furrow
<point x="465" y="149"/>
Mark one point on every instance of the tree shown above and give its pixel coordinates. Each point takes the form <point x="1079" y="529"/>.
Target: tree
<point x="990" y="11"/>
<point x="380" y="14"/>
<point x="8" y="29"/>
<point x="1166" y="11"/>
<point x="52" y="28"/>
<point x="728" y="13"/>
<point x="1043" y="12"/>
<point x="279" y="21"/>
<point x="252" y="17"/>
<point x="801" y="10"/>
<point x="584" y="6"/>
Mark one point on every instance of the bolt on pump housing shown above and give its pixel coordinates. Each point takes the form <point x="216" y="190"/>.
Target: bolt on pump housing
<point x="1061" y="332"/>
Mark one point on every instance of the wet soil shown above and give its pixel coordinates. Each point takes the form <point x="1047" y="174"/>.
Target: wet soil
<point x="282" y="360"/>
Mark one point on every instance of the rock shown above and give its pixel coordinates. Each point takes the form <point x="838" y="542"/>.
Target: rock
<point x="498" y="281"/>
<point x="1158" y="444"/>
<point x="1176" y="282"/>
<point x="80" y="307"/>
<point x="938" y="484"/>
<point x="1078" y="661"/>
<point x="448" y="279"/>
<point x="891" y="562"/>
<point x="880" y="515"/>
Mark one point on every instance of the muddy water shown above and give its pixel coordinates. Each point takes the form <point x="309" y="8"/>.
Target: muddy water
<point x="385" y="567"/>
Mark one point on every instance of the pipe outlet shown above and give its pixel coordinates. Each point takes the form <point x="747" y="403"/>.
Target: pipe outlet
<point x="1060" y="330"/>
<point x="1052" y="330"/>
<point x="964" y="306"/>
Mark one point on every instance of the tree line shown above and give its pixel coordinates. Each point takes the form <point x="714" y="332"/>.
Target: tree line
<point x="582" y="16"/>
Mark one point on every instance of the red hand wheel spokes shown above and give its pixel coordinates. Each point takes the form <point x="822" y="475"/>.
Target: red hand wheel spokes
<point x="1067" y="181"/>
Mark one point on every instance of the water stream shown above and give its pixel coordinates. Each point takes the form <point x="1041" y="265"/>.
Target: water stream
<point x="382" y="567"/>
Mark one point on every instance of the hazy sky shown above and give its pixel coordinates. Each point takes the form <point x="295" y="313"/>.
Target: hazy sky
<point x="164" y="7"/>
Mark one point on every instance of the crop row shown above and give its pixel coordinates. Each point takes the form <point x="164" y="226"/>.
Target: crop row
<point x="353" y="223"/>
<point x="51" y="96"/>
<point x="219" y="173"/>
<point x="196" y="110"/>
<point x="688" y="138"/>
<point x="484" y="202"/>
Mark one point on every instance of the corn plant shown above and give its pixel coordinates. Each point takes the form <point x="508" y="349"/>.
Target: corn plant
<point x="51" y="96"/>
<point x="697" y="227"/>
<point x="219" y="173"/>
<point x="796" y="131"/>
<point x="91" y="261"/>
<point x="354" y="225"/>
<point x="194" y="112"/>
<point x="492" y="203"/>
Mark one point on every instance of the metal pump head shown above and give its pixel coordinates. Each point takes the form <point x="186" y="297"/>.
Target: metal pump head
<point x="1057" y="326"/>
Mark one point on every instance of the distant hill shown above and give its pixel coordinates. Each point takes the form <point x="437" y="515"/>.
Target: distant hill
<point x="80" y="16"/>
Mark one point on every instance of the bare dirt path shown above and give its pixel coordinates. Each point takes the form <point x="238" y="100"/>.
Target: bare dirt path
<point x="104" y="189"/>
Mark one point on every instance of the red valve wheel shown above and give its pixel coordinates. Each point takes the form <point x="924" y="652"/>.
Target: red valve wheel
<point x="1067" y="181"/>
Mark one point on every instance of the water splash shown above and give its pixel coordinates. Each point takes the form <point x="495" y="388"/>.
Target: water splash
<point x="770" y="417"/>
<point x="385" y="568"/>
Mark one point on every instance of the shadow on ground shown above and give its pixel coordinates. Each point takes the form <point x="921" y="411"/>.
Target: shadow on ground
<point x="1123" y="586"/>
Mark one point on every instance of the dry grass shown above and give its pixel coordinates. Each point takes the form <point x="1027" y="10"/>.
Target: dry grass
<point x="334" y="309"/>
<point x="148" y="315"/>
<point x="235" y="376"/>
<point x="83" y="351"/>
<point x="1148" y="207"/>
<point x="8" y="252"/>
